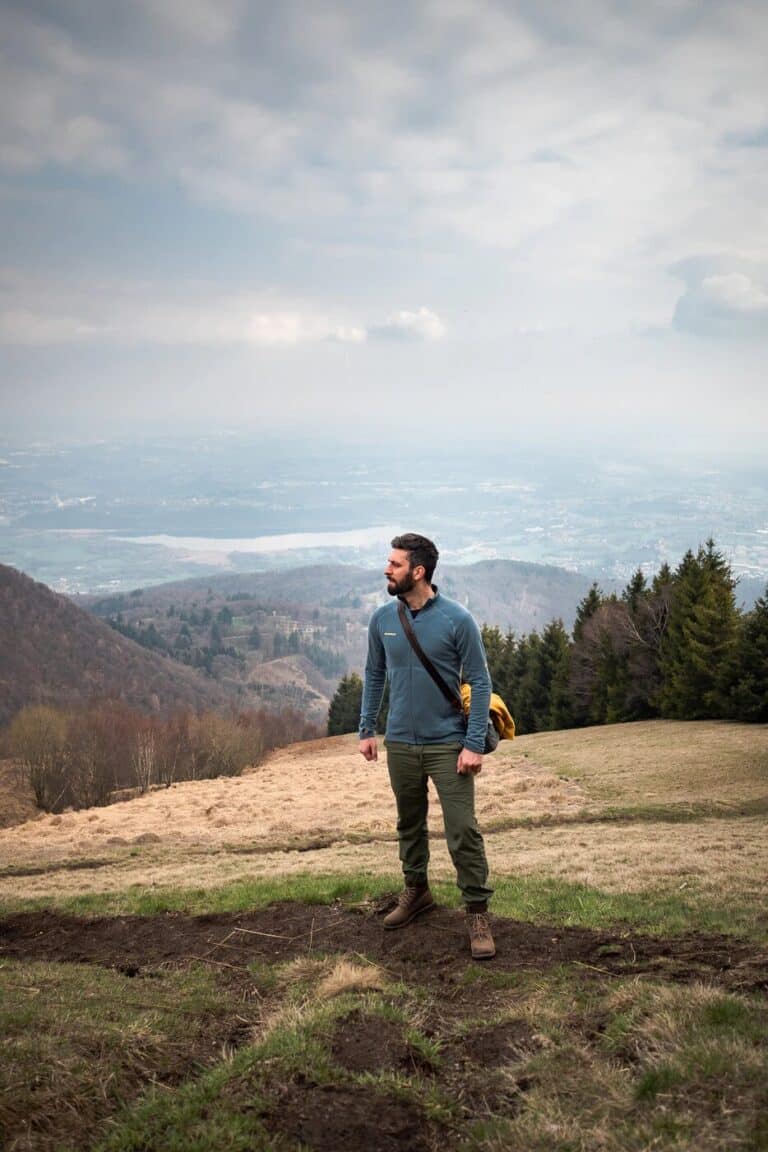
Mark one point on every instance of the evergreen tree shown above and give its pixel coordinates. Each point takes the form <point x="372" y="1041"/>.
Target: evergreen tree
<point x="529" y="704"/>
<point x="344" y="712"/>
<point x="750" y="691"/>
<point x="500" y="651"/>
<point x="216" y="642"/>
<point x="586" y="609"/>
<point x="699" y="650"/>
<point x="599" y="665"/>
<point x="555" y="669"/>
<point x="635" y="591"/>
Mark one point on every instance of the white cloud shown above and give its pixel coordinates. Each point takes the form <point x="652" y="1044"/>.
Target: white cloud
<point x="424" y="324"/>
<point x="724" y="301"/>
<point x="34" y="312"/>
<point x="735" y="291"/>
<point x="229" y="176"/>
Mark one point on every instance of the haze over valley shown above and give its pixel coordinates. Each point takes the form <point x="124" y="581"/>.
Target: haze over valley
<point x="116" y="515"/>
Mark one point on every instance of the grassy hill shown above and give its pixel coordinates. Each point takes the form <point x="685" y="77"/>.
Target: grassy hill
<point x="209" y="959"/>
<point x="54" y="652"/>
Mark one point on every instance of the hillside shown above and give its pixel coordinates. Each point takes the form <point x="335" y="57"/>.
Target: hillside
<point x="289" y="636"/>
<point x="598" y="795"/>
<point x="508" y="593"/>
<point x="210" y="958"/>
<point x="54" y="652"/>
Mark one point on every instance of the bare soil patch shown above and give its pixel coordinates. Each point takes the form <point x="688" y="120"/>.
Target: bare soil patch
<point x="434" y="950"/>
<point x="370" y="1044"/>
<point x="329" y="1117"/>
<point x="497" y="1044"/>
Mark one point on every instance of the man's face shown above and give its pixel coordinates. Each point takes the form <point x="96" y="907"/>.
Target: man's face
<point x="399" y="573"/>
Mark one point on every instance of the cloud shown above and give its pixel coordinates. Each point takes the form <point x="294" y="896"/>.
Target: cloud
<point x="424" y="324"/>
<point x="228" y="175"/>
<point x="735" y="292"/>
<point x="205" y="22"/>
<point x="35" y="313"/>
<point x="722" y="303"/>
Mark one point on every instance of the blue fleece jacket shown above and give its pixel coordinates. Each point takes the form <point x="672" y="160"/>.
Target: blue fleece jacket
<point x="418" y="711"/>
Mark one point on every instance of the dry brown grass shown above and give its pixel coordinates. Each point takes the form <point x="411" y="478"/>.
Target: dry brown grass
<point x="346" y="977"/>
<point x="318" y="807"/>
<point x="659" y="762"/>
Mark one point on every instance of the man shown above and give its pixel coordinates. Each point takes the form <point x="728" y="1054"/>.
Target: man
<point x="426" y="738"/>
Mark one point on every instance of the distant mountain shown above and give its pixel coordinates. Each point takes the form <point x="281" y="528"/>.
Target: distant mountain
<point x="516" y="596"/>
<point x="54" y="652"/>
<point x="508" y="593"/>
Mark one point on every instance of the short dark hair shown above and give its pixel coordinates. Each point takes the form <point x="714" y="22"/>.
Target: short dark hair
<point x="420" y="551"/>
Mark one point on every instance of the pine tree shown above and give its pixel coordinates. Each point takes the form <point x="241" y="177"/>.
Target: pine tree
<point x="587" y="608"/>
<point x="529" y="704"/>
<point x="635" y="591"/>
<point x="500" y="651"/>
<point x="555" y="668"/>
<point x="699" y="650"/>
<point x="750" y="691"/>
<point x="344" y="712"/>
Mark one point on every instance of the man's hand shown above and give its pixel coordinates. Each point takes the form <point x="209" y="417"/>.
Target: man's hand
<point x="469" y="763"/>
<point x="368" y="748"/>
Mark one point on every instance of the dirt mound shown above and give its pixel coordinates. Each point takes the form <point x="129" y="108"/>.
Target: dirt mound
<point x="369" y="1044"/>
<point x="328" y="1117"/>
<point x="434" y="950"/>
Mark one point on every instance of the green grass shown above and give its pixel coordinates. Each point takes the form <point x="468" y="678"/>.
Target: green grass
<point x="77" y="1040"/>
<point x="675" y="1093"/>
<point x="530" y="898"/>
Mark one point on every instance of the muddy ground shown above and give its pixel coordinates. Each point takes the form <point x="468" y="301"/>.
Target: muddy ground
<point x="434" y="949"/>
<point x="477" y="1066"/>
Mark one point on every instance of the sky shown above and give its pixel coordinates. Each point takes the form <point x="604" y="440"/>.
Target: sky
<point x="455" y="221"/>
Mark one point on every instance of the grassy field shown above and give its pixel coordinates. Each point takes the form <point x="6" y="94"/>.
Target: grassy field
<point x="146" y="1006"/>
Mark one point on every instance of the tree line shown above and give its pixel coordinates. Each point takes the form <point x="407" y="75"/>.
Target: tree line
<point x="677" y="647"/>
<point x="96" y="754"/>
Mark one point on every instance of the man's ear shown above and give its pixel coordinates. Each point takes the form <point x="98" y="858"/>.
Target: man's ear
<point x="418" y="572"/>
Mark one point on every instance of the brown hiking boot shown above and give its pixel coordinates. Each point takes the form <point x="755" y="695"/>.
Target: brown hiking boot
<point x="480" y="938"/>
<point x="410" y="904"/>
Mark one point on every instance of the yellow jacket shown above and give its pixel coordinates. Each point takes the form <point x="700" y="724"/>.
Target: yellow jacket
<point x="498" y="712"/>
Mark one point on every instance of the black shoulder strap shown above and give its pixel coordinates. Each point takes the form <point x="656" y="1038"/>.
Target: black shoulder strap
<point x="408" y="629"/>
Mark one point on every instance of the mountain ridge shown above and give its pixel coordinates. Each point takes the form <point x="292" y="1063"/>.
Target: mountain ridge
<point x="54" y="652"/>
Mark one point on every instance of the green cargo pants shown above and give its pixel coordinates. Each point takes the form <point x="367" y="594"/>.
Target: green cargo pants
<point x="410" y="767"/>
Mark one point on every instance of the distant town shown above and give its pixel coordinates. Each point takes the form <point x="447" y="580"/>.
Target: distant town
<point x="115" y="516"/>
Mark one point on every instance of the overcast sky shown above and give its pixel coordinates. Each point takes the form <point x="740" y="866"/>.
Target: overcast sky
<point x="534" y="220"/>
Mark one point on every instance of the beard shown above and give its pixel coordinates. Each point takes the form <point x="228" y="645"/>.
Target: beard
<point x="400" y="587"/>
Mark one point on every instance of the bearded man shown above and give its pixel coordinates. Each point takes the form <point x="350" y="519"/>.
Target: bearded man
<point x="426" y="737"/>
